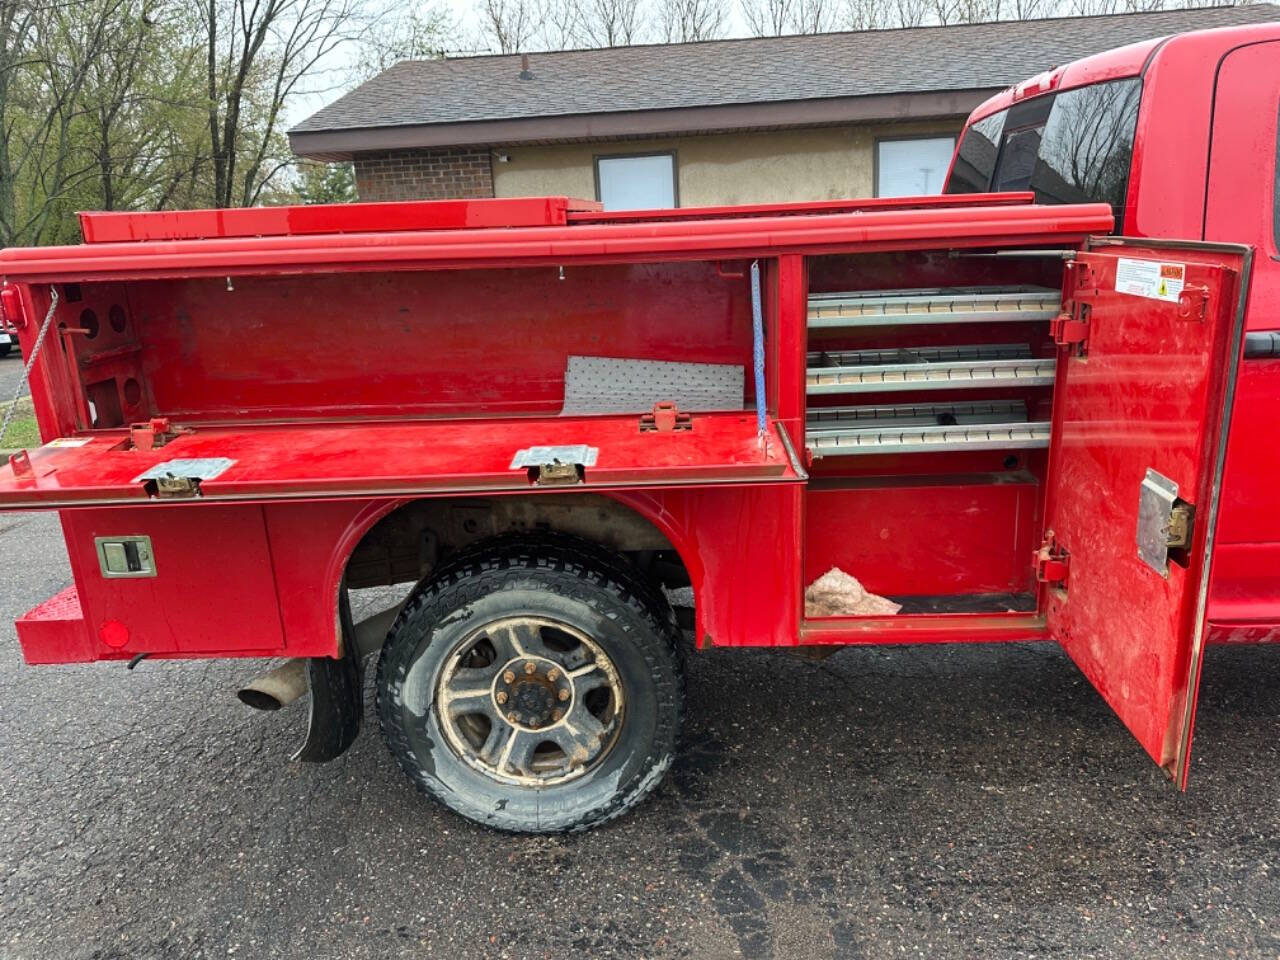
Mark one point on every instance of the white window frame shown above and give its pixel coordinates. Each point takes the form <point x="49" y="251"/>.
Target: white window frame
<point x="670" y="154"/>
<point x="877" y="166"/>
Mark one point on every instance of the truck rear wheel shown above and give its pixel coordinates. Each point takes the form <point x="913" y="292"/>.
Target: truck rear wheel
<point x="533" y="685"/>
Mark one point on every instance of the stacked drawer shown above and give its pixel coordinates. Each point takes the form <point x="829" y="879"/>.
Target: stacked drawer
<point x="923" y="427"/>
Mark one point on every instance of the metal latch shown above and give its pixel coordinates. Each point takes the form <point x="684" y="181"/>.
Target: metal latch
<point x="556" y="466"/>
<point x="1166" y="523"/>
<point x="154" y="434"/>
<point x="176" y="488"/>
<point x="180" y="479"/>
<point x="665" y="418"/>
<point x="120" y="557"/>
<point x="1051" y="562"/>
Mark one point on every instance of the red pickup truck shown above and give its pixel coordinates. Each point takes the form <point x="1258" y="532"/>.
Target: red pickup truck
<point x="1036" y="407"/>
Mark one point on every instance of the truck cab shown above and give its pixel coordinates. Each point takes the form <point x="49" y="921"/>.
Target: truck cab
<point x="1179" y="135"/>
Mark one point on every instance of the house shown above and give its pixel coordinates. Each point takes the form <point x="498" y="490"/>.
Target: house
<point x="872" y="113"/>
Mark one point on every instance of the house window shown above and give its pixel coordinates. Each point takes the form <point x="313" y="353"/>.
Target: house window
<point x="912" y="166"/>
<point x="633" y="182"/>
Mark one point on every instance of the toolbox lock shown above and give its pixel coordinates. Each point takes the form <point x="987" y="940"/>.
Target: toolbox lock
<point x="556" y="466"/>
<point x="665" y="418"/>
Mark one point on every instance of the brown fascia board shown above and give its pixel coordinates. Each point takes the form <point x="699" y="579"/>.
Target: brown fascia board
<point x="342" y="144"/>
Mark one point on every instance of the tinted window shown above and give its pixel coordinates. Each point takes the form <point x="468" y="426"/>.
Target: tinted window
<point x="976" y="161"/>
<point x="1023" y="129"/>
<point x="1017" y="160"/>
<point x="1088" y="145"/>
<point x="1074" y="147"/>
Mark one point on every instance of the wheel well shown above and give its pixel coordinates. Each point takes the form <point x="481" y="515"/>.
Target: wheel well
<point x="408" y="543"/>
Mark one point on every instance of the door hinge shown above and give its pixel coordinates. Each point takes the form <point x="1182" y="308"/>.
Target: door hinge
<point x="1051" y="562"/>
<point x="1070" y="328"/>
<point x="665" y="418"/>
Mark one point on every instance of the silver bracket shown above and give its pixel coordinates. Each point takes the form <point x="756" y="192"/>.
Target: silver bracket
<point x="556" y="466"/>
<point x="180" y="479"/>
<point x="1156" y="501"/>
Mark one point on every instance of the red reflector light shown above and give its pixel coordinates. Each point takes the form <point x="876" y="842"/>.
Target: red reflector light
<point x="1040" y="83"/>
<point x="10" y="308"/>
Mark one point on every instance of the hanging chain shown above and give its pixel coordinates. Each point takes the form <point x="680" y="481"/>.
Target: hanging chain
<point x="31" y="362"/>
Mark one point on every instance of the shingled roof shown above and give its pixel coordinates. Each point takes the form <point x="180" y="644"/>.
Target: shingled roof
<point x="790" y="81"/>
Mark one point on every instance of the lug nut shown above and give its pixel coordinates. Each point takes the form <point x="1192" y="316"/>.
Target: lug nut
<point x="502" y="696"/>
<point x="557" y="714"/>
<point x="552" y="674"/>
<point x="530" y="667"/>
<point x="508" y="677"/>
<point x="563" y="695"/>
<point x="511" y="718"/>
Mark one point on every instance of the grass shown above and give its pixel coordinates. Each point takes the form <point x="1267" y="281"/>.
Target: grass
<point x="23" y="432"/>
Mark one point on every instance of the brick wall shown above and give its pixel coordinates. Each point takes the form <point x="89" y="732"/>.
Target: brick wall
<point x="424" y="174"/>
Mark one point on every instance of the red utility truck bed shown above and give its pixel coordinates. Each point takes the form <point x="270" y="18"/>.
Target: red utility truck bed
<point x="957" y="401"/>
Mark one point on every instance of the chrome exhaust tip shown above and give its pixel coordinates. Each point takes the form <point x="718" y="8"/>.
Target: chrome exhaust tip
<point x="276" y="688"/>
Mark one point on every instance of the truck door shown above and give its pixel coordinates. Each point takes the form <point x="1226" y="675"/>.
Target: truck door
<point x="1150" y="342"/>
<point x="1243" y="205"/>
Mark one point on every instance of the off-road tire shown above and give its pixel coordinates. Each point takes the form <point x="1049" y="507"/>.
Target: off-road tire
<point x="582" y="585"/>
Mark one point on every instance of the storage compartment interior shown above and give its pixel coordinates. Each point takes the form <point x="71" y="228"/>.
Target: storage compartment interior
<point x="929" y="386"/>
<point x="440" y="343"/>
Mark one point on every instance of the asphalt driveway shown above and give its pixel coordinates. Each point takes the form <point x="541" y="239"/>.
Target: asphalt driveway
<point x="949" y="802"/>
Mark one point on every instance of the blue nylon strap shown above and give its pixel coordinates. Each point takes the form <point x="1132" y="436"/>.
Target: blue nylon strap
<point x="757" y="329"/>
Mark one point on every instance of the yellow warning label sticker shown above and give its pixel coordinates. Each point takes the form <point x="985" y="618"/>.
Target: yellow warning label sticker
<point x="1151" y="279"/>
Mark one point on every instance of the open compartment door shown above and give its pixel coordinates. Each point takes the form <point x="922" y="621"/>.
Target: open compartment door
<point x="1150" y="340"/>
<point x="164" y="462"/>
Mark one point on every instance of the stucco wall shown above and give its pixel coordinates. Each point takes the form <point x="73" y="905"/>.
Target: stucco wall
<point x="777" y="166"/>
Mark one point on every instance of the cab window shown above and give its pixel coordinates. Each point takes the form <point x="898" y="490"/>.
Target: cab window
<point x="1071" y="147"/>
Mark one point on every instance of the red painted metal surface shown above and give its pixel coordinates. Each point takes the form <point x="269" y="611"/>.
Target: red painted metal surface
<point x="1224" y="91"/>
<point x="924" y="628"/>
<point x="55" y="631"/>
<point x="213" y="593"/>
<point x="397" y="458"/>
<point x="1149" y="393"/>
<point x="923" y="535"/>
<point x="331" y="218"/>
<point x="952" y="226"/>
<point x="457" y="342"/>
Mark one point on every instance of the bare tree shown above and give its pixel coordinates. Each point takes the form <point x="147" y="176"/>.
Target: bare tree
<point x="561" y="24"/>
<point x="685" y="21"/>
<point x="610" y="23"/>
<point x="775" y="18"/>
<point x="396" y="33"/>
<point x="258" y="53"/>
<point x="866" y="15"/>
<point x="812" y="16"/>
<point x="509" y="25"/>
<point x="910" y="13"/>
<point x="767" y="18"/>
